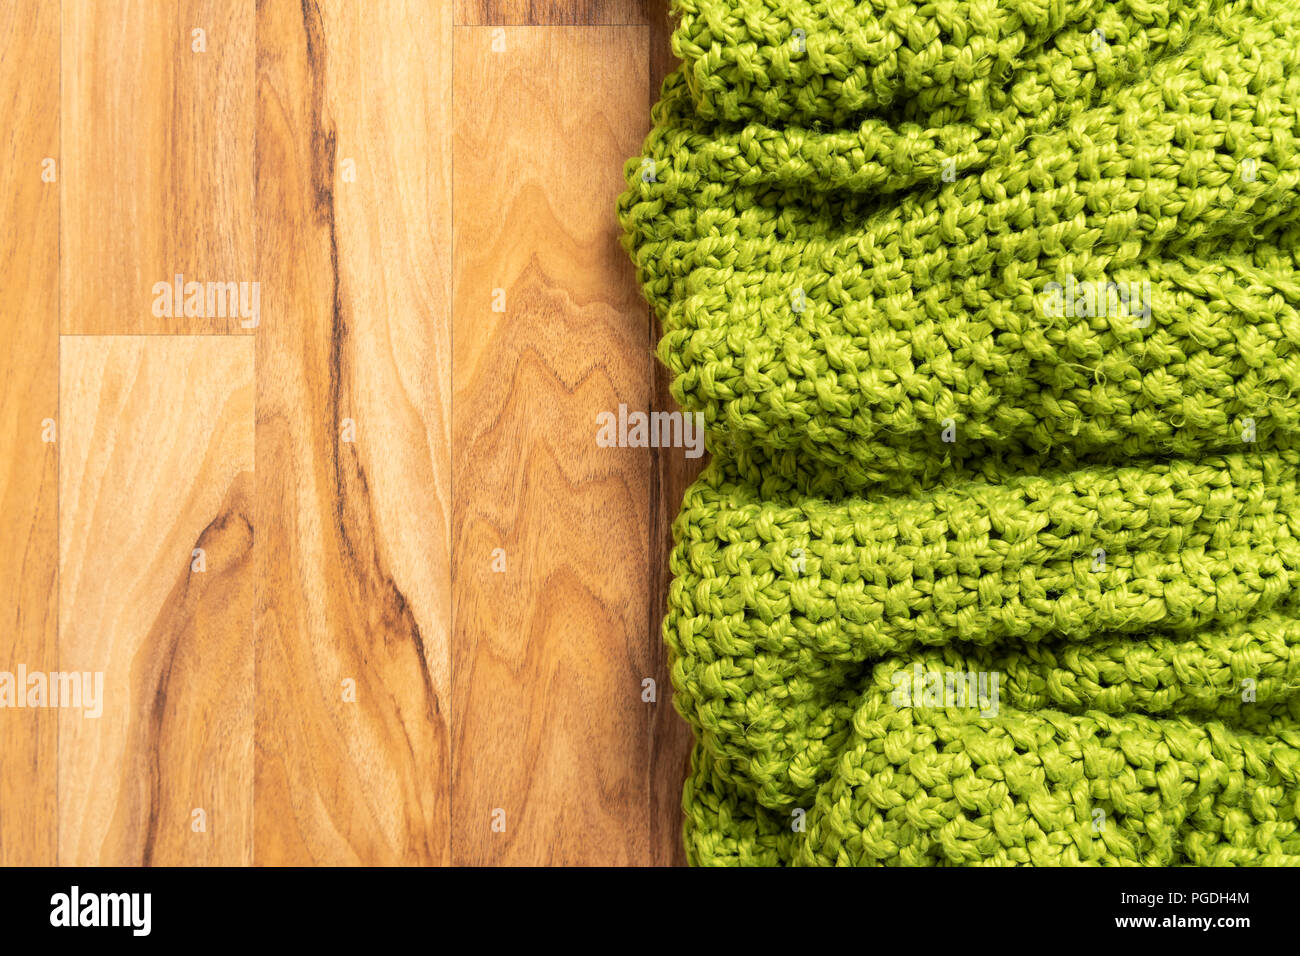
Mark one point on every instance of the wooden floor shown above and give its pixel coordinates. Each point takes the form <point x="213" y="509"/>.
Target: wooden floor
<point x="335" y="533"/>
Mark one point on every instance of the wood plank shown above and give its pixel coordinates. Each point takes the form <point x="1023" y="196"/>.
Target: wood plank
<point x="29" y="277"/>
<point x="156" y="466"/>
<point x="550" y="653"/>
<point x="553" y="12"/>
<point x="158" y="160"/>
<point x="353" y="527"/>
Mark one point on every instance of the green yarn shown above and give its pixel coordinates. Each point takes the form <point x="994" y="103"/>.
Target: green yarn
<point x="1157" y="588"/>
<point x="744" y="59"/>
<point x="923" y="300"/>
<point x="849" y="218"/>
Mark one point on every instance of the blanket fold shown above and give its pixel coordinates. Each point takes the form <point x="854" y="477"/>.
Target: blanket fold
<point x="991" y="308"/>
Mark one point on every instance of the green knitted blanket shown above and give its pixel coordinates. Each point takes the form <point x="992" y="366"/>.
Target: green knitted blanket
<point x="991" y="309"/>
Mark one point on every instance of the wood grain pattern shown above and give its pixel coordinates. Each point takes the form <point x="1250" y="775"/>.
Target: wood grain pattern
<point x="353" y="541"/>
<point x="554" y="12"/>
<point x="29" y="222"/>
<point x="157" y="156"/>
<point x="156" y="464"/>
<point x="358" y="675"/>
<point x="550" y="652"/>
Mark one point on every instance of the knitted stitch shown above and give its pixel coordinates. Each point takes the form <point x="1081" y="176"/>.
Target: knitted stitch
<point x="925" y="307"/>
<point x="1187" y="576"/>
<point x="808" y="60"/>
<point x="849" y="218"/>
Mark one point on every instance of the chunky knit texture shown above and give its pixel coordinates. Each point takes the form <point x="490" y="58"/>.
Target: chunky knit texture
<point x="922" y="302"/>
<point x="855" y="222"/>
